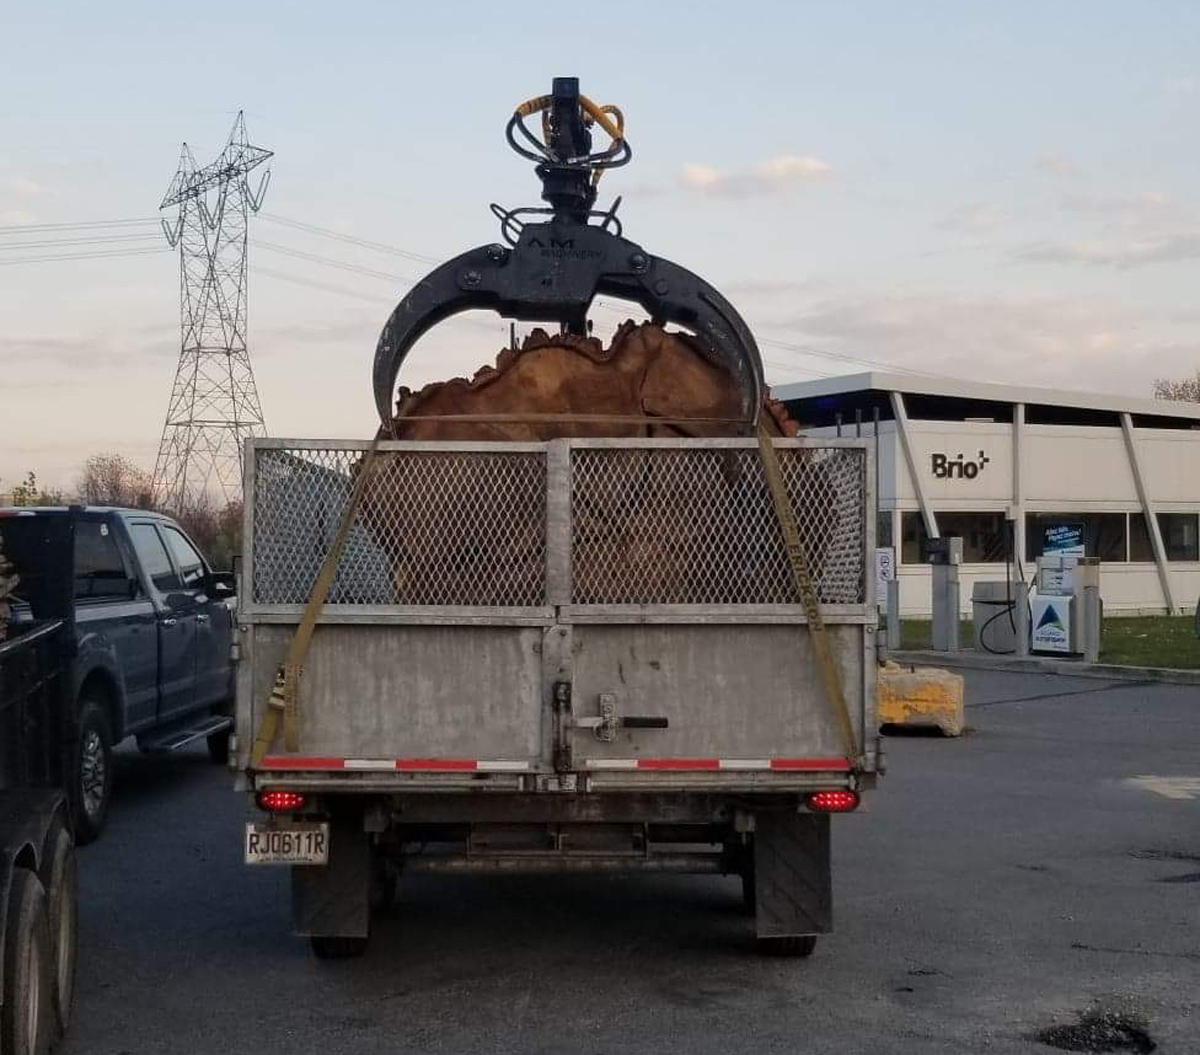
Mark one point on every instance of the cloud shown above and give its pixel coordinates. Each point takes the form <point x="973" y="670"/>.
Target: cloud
<point x="1056" y="165"/>
<point x="17" y="216"/>
<point x="975" y="218"/>
<point x="1186" y="84"/>
<point x="774" y="287"/>
<point x="1170" y="249"/>
<point x="1145" y="208"/>
<point x="1075" y="343"/>
<point x="773" y="176"/>
<point x="25" y="187"/>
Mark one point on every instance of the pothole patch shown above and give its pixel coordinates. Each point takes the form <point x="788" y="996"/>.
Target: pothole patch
<point x="1100" y="1031"/>
<point x="1163" y="855"/>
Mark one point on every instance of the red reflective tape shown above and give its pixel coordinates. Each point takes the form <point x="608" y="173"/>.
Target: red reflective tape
<point x="837" y="765"/>
<point x="678" y="763"/>
<point x="428" y="765"/>
<point x="300" y="762"/>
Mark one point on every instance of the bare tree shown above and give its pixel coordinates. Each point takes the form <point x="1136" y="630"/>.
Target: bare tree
<point x="30" y="493"/>
<point x="113" y="480"/>
<point x="1186" y="388"/>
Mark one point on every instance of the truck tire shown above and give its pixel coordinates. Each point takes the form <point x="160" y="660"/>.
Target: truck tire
<point x="218" y="747"/>
<point x="798" y="945"/>
<point x="384" y="881"/>
<point x="25" y="1018"/>
<point x="90" y="776"/>
<point x="337" y="948"/>
<point x="60" y="880"/>
<point x="743" y="855"/>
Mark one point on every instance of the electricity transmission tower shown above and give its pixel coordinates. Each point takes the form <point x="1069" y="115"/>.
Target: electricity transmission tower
<point x="214" y="403"/>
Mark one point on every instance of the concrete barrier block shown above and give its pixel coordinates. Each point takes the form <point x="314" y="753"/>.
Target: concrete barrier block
<point x="921" y="696"/>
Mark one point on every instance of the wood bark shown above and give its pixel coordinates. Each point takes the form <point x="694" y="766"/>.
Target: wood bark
<point x="459" y="536"/>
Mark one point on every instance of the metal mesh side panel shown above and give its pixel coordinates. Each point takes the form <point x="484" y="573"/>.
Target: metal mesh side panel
<point x="434" y="527"/>
<point x="696" y="526"/>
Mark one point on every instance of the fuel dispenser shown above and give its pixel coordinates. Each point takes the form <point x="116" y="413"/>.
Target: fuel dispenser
<point x="945" y="555"/>
<point x="1065" y="611"/>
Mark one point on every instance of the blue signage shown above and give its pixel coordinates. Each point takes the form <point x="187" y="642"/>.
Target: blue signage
<point x="1063" y="540"/>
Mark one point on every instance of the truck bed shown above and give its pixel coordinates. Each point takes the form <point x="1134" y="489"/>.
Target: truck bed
<point x="579" y="615"/>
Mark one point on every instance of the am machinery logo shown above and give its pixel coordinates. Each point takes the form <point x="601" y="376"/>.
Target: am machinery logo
<point x="960" y="468"/>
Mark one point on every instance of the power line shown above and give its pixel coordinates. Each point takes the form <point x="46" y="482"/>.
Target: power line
<point x="33" y="228"/>
<point x="81" y="256"/>
<point x="343" y="265"/>
<point x="841" y="357"/>
<point x="328" y="287"/>
<point x="5" y="246"/>
<point x="325" y="232"/>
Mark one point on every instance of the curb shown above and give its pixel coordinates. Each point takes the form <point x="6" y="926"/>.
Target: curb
<point x="1035" y="665"/>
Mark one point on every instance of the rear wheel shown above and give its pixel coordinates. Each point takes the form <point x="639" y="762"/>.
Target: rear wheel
<point x="26" y="1015"/>
<point x="60" y="880"/>
<point x="384" y="880"/>
<point x="90" y="787"/>
<point x="337" y="948"/>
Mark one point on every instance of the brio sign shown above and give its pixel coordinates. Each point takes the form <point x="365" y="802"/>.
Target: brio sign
<point x="959" y="468"/>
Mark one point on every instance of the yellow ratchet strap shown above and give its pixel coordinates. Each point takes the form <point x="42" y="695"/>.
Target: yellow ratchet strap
<point x="802" y="578"/>
<point x="284" y="699"/>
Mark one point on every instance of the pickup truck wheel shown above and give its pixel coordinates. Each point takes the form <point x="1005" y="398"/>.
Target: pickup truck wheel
<point x="60" y="880"/>
<point x="90" y="787"/>
<point x="218" y="747"/>
<point x="25" y="1018"/>
<point x="798" y="945"/>
<point x="337" y="948"/>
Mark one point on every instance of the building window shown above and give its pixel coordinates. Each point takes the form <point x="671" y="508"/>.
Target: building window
<point x="1103" y="533"/>
<point x="984" y="535"/>
<point x="1180" y="535"/>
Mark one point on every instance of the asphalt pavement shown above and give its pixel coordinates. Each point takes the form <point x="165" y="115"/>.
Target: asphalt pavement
<point x="1043" y="867"/>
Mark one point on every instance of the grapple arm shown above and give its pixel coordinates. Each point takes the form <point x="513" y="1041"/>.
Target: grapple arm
<point x="552" y="275"/>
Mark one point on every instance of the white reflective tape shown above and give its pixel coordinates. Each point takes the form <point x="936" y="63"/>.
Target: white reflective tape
<point x="744" y="763"/>
<point x="610" y="763"/>
<point x="500" y="767"/>
<point x="386" y="764"/>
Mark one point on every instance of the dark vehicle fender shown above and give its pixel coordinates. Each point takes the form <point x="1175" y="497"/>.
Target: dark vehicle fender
<point x="96" y="668"/>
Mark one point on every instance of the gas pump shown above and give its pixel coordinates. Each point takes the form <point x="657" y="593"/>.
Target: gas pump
<point x="945" y="555"/>
<point x="1065" y="611"/>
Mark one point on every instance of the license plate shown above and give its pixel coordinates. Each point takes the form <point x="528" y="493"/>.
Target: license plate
<point x="295" y="843"/>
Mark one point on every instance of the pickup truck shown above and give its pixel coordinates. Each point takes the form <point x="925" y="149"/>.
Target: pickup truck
<point x="581" y="654"/>
<point x="152" y="628"/>
<point x="38" y="886"/>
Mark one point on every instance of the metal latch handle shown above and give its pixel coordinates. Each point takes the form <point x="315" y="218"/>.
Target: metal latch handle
<point x="643" y="721"/>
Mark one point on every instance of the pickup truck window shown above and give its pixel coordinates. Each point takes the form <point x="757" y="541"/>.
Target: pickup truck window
<point x="99" y="570"/>
<point x="153" y="555"/>
<point x="191" y="564"/>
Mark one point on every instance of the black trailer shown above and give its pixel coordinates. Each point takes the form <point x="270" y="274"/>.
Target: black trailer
<point x="38" y="886"/>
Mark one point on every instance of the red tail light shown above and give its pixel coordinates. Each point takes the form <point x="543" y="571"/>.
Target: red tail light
<point x="833" y="801"/>
<point x="281" y="801"/>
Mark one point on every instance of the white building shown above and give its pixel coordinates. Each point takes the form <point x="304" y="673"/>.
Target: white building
<point x="999" y="464"/>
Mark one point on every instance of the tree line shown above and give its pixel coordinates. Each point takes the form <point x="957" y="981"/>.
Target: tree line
<point x="113" y="480"/>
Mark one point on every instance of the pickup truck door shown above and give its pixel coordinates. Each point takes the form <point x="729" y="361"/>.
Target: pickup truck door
<point x="214" y="622"/>
<point x="176" y="620"/>
<point x="114" y="615"/>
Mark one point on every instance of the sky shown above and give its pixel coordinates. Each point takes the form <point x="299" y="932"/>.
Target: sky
<point x="1002" y="192"/>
